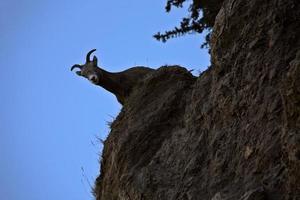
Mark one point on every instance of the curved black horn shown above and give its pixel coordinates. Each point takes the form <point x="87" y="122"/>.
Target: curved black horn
<point x="89" y="54"/>
<point x="76" y="66"/>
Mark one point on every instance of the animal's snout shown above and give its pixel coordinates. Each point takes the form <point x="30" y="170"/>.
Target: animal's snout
<point x="93" y="78"/>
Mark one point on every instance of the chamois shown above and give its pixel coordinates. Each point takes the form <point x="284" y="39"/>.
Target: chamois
<point x="119" y="83"/>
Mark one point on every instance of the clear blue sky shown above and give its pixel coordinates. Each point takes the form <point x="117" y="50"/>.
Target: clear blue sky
<point x="50" y="117"/>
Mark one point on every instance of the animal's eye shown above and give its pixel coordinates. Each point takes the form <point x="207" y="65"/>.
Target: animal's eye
<point x="78" y="73"/>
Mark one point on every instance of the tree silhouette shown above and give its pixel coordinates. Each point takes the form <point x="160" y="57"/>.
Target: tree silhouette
<point x="201" y="16"/>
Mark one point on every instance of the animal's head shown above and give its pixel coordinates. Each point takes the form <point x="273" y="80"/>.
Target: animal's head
<point x="89" y="69"/>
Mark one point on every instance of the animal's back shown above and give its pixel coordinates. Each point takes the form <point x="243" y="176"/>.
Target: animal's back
<point x="137" y="73"/>
<point x="138" y="70"/>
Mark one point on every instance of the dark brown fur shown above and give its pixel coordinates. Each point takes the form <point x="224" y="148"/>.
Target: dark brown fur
<point x="118" y="83"/>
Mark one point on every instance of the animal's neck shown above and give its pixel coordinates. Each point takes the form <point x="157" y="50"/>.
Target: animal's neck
<point x="110" y="81"/>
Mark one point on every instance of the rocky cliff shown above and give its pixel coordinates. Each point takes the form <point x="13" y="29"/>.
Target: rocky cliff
<point x="231" y="133"/>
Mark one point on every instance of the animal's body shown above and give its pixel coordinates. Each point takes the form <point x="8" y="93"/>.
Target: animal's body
<point x="118" y="83"/>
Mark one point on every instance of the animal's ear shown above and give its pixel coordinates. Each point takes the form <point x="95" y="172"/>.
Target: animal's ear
<point x="95" y="60"/>
<point x="78" y="73"/>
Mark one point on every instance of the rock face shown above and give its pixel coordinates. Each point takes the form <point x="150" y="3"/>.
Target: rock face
<point x="231" y="133"/>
